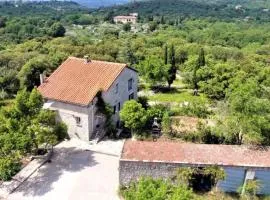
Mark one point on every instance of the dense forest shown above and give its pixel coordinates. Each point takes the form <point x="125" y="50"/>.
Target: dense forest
<point x="218" y="49"/>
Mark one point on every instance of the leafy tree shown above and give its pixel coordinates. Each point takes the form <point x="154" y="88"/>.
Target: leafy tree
<point x="153" y="26"/>
<point x="133" y="115"/>
<point x="24" y="127"/>
<point x="183" y="57"/>
<point x="199" y="64"/>
<point x="29" y="75"/>
<point x="246" y="114"/>
<point x="2" y="22"/>
<point x="153" y="70"/>
<point x="127" y="27"/>
<point x="57" y="30"/>
<point x="129" y="55"/>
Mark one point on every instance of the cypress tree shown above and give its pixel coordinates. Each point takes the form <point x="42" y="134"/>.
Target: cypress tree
<point x="200" y="63"/>
<point x="172" y="70"/>
<point x="166" y="55"/>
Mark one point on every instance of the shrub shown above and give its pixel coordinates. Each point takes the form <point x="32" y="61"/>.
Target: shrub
<point x="127" y="27"/>
<point x="166" y="123"/>
<point x="156" y="189"/>
<point x="9" y="166"/>
<point x="61" y="131"/>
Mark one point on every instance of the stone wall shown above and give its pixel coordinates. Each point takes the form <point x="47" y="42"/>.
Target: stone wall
<point x="133" y="170"/>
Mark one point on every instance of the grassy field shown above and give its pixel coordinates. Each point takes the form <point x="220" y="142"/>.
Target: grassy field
<point x="177" y="96"/>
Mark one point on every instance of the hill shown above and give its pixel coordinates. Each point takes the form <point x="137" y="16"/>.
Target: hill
<point x="224" y="10"/>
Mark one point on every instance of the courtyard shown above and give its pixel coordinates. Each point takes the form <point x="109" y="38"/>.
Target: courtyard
<point x="77" y="171"/>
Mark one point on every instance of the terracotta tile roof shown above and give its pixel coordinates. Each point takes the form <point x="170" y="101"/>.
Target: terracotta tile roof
<point x="196" y="154"/>
<point x="78" y="82"/>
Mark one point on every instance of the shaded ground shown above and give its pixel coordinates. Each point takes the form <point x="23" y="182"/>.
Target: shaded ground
<point x="77" y="171"/>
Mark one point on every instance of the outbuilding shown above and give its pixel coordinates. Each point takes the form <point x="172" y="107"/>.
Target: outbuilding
<point x="161" y="159"/>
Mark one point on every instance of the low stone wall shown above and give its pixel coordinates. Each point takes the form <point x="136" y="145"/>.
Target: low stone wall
<point x="133" y="170"/>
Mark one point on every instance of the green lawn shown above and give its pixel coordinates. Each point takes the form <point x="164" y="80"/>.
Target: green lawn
<point x="179" y="96"/>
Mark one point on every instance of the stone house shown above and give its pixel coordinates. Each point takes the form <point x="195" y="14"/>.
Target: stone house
<point x="161" y="159"/>
<point x="72" y="88"/>
<point x="131" y="18"/>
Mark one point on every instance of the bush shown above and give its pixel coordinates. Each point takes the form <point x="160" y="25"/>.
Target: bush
<point x="127" y="27"/>
<point x="156" y="189"/>
<point x="61" y="131"/>
<point x="9" y="166"/>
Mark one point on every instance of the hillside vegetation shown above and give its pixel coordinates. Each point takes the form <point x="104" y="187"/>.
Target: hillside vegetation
<point x="200" y="59"/>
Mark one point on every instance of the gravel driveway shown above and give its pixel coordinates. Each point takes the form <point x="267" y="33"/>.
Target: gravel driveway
<point x="78" y="171"/>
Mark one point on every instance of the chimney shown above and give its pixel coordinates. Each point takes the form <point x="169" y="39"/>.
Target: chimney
<point x="87" y="59"/>
<point x="42" y="78"/>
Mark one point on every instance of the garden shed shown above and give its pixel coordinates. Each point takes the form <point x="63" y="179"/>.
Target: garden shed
<point x="161" y="159"/>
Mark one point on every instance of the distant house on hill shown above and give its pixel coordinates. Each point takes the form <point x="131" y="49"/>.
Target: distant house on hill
<point x="131" y="18"/>
<point x="72" y="92"/>
<point x="161" y="159"/>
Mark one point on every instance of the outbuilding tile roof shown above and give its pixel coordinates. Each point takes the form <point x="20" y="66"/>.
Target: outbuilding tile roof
<point x="77" y="81"/>
<point x="196" y="154"/>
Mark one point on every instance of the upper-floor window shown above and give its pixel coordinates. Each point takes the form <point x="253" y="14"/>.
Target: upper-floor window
<point x="130" y="84"/>
<point x="114" y="109"/>
<point x="116" y="88"/>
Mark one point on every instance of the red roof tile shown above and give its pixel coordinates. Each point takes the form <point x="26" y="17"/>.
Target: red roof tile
<point x="197" y="154"/>
<point x="78" y="82"/>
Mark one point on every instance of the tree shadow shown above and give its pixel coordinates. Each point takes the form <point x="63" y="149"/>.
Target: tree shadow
<point x="64" y="160"/>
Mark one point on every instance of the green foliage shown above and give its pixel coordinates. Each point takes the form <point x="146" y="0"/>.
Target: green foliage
<point x="30" y="73"/>
<point x="153" y="70"/>
<point x="166" y="123"/>
<point x="250" y="189"/>
<point x="24" y="127"/>
<point x="148" y="188"/>
<point x="172" y="70"/>
<point x="106" y="110"/>
<point x="133" y="115"/>
<point x="127" y="27"/>
<point x="9" y="166"/>
<point x="187" y="175"/>
<point x="57" y="30"/>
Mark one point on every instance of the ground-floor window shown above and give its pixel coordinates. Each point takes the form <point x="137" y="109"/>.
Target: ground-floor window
<point x="78" y="121"/>
<point x="131" y="96"/>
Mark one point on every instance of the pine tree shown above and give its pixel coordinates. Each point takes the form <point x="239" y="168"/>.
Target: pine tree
<point x="172" y="70"/>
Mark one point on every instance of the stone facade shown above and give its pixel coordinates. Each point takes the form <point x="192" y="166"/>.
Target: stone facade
<point x="82" y="121"/>
<point x="235" y="176"/>
<point x="132" y="170"/>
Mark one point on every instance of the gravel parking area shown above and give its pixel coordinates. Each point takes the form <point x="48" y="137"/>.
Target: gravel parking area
<point x="77" y="171"/>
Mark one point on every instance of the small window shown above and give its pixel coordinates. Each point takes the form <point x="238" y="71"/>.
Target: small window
<point x="119" y="106"/>
<point x="78" y="120"/>
<point x="114" y="109"/>
<point x="116" y="88"/>
<point x="131" y="96"/>
<point x="130" y="82"/>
